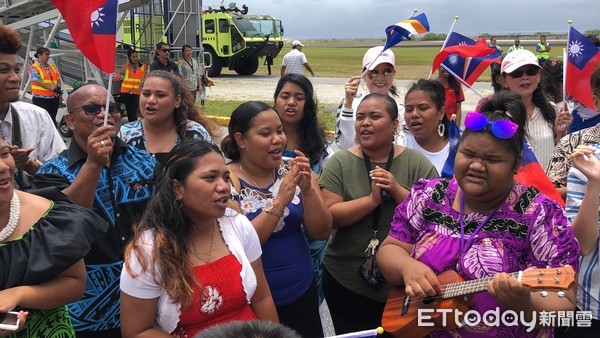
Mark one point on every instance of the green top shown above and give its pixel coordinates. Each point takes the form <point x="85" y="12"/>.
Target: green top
<point x="345" y="174"/>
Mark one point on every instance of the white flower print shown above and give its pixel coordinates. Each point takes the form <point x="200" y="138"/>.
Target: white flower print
<point x="211" y="300"/>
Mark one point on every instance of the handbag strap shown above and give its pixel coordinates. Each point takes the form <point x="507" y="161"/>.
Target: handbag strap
<point x="384" y="194"/>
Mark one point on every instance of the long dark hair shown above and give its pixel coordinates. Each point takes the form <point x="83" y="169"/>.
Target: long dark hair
<point x="312" y="134"/>
<point x="505" y="105"/>
<point x="187" y="110"/>
<point x="171" y="226"/>
<point x="242" y="119"/>
<point x="551" y="83"/>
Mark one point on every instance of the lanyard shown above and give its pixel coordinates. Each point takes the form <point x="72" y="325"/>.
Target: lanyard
<point x="385" y="195"/>
<point x="462" y="224"/>
<point x="189" y="64"/>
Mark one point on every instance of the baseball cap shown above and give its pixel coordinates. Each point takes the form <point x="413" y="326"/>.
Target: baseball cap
<point x="517" y="59"/>
<point x="296" y="43"/>
<point x="385" y="57"/>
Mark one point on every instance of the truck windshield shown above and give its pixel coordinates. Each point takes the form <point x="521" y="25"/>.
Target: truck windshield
<point x="256" y="27"/>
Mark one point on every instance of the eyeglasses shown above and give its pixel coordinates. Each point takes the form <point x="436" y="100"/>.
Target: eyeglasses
<point x="502" y="129"/>
<point x="94" y="109"/>
<point x="387" y="72"/>
<point x="529" y="71"/>
<point x="165" y="50"/>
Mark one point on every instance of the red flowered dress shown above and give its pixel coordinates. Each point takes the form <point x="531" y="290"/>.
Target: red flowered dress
<point x="220" y="299"/>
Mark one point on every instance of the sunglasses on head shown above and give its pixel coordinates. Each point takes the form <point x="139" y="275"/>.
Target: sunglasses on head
<point x="531" y="71"/>
<point x="94" y="109"/>
<point x="387" y="72"/>
<point x="502" y="129"/>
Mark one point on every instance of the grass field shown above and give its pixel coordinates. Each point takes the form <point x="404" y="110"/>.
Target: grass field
<point x="342" y="58"/>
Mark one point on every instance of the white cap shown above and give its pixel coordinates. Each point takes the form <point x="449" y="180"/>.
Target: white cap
<point x="385" y="57"/>
<point x="517" y="59"/>
<point x="296" y="43"/>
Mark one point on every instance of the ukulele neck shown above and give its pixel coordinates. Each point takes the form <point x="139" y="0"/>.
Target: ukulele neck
<point x="468" y="287"/>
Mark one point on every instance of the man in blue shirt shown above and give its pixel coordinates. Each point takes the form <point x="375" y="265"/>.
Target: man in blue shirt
<point x="101" y="172"/>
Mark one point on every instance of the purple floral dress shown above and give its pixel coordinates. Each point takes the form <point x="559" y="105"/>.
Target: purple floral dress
<point x="528" y="230"/>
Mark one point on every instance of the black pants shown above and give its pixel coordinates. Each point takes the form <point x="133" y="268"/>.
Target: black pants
<point x="50" y="104"/>
<point x="131" y="102"/>
<point x="302" y="315"/>
<point x="350" y="312"/>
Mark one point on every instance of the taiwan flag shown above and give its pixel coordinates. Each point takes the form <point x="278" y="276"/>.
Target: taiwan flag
<point x="479" y="49"/>
<point x="469" y="69"/>
<point x="583" y="58"/>
<point x="93" y="26"/>
<point x="530" y="173"/>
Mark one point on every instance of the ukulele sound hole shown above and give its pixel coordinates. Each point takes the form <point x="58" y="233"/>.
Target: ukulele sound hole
<point x="428" y="300"/>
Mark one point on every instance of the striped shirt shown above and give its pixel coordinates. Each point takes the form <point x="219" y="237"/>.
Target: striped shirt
<point x="540" y="136"/>
<point x="588" y="279"/>
<point x="294" y="61"/>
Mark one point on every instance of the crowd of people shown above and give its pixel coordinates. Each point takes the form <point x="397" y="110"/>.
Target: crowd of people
<point x="152" y="228"/>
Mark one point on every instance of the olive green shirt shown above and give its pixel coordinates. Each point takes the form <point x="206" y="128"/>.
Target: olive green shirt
<point x="345" y="174"/>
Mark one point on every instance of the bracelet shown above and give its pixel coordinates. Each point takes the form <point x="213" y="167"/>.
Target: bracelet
<point x="272" y="212"/>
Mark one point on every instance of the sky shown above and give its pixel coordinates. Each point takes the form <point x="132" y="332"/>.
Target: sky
<point x="350" y="19"/>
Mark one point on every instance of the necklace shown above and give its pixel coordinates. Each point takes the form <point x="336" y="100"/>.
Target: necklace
<point x="13" y="217"/>
<point x="209" y="253"/>
<point x="251" y="179"/>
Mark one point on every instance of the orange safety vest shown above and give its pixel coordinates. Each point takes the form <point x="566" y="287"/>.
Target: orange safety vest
<point x="48" y="78"/>
<point x="132" y="80"/>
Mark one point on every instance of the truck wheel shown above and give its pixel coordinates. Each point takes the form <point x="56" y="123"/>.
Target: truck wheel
<point x="247" y="66"/>
<point x="217" y="64"/>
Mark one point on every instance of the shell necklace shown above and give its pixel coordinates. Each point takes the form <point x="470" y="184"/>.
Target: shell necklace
<point x="13" y="217"/>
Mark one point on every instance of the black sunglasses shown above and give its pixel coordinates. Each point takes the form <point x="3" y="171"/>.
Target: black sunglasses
<point x="165" y="50"/>
<point x="529" y="71"/>
<point x="94" y="109"/>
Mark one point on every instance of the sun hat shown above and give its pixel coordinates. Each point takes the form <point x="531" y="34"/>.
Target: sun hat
<point x="517" y="59"/>
<point x="385" y="57"/>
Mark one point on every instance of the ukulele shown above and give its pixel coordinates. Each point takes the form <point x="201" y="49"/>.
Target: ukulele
<point x="400" y="316"/>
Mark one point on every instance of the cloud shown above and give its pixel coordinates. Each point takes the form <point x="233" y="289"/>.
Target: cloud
<point x="344" y="19"/>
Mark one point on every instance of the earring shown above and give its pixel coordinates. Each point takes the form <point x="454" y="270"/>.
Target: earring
<point x="178" y="203"/>
<point x="441" y="129"/>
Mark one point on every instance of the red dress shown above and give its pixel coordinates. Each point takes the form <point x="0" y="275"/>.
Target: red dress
<point x="220" y="299"/>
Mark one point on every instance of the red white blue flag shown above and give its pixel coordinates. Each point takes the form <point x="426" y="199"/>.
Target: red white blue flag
<point x="93" y="26"/>
<point x="479" y="49"/>
<point x="583" y="58"/>
<point x="454" y="134"/>
<point x="469" y="69"/>
<point x="530" y="173"/>
<point x="416" y="24"/>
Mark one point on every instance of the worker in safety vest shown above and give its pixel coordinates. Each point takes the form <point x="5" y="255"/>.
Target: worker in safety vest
<point x="45" y="83"/>
<point x="133" y="73"/>
<point x="543" y="50"/>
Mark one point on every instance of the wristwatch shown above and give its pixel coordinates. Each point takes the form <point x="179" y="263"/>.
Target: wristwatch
<point x="271" y="210"/>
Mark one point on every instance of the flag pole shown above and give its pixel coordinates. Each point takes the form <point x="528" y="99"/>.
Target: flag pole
<point x="461" y="81"/>
<point x="377" y="57"/>
<point x="108" y="96"/>
<point x="565" y="60"/>
<point x="445" y="41"/>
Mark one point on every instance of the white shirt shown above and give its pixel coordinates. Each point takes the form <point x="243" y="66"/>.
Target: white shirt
<point x="438" y="158"/>
<point x="37" y="131"/>
<point x="294" y="62"/>
<point x="241" y="240"/>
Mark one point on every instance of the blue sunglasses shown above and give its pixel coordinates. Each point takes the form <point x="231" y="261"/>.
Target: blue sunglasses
<point x="502" y="129"/>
